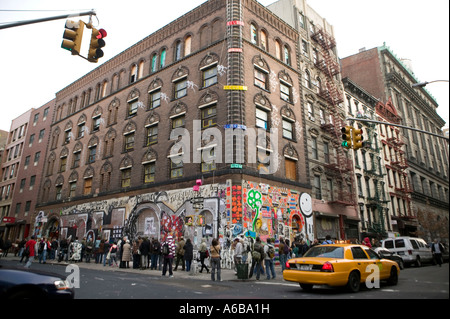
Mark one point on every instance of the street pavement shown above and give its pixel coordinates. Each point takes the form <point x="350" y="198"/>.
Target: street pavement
<point x="226" y="274"/>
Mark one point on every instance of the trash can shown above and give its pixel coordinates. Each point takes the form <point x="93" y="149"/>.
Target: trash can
<point x="242" y="271"/>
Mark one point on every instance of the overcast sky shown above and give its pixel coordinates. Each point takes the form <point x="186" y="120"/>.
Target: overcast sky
<point x="34" y="67"/>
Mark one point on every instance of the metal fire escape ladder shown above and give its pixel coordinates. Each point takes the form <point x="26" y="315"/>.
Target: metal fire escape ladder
<point x="343" y="168"/>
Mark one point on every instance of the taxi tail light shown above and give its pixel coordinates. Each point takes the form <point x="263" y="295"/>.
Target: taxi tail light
<point x="287" y="265"/>
<point x="327" y="267"/>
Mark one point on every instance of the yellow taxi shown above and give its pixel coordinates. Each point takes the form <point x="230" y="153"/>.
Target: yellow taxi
<point x="341" y="265"/>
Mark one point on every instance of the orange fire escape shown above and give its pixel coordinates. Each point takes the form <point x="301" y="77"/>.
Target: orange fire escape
<point x="342" y="169"/>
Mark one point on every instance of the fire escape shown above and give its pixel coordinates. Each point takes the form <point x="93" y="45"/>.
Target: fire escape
<point x="342" y="169"/>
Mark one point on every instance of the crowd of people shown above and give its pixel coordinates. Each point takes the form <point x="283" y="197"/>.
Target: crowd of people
<point x="168" y="255"/>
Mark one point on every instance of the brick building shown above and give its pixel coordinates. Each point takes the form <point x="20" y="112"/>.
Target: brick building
<point x="151" y="141"/>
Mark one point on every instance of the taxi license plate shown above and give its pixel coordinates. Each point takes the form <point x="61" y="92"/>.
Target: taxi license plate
<point x="305" y="267"/>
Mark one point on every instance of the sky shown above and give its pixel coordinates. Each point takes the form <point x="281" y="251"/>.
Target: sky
<point x="34" y="67"/>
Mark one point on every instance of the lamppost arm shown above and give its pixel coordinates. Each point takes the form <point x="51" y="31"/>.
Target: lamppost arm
<point x="422" y="84"/>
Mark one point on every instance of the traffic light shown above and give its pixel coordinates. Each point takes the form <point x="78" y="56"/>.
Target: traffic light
<point x="357" y="138"/>
<point x="97" y="42"/>
<point x="347" y="136"/>
<point x="72" y="36"/>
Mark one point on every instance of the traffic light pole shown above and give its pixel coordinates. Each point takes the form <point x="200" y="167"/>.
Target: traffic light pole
<point x="25" y="22"/>
<point x="397" y="125"/>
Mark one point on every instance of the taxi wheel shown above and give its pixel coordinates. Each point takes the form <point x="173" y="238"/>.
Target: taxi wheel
<point x="306" y="287"/>
<point x="393" y="278"/>
<point x="353" y="281"/>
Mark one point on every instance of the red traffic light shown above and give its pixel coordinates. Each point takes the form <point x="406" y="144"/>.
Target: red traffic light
<point x="101" y="34"/>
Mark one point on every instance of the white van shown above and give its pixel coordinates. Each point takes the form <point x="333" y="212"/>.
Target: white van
<point x="412" y="250"/>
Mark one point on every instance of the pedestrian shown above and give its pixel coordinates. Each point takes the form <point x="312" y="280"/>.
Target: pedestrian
<point x="54" y="249"/>
<point x="179" y="251"/>
<point x="156" y="253"/>
<point x="302" y="248"/>
<point x="283" y="251"/>
<point x="44" y="247"/>
<point x="204" y="253"/>
<point x="126" y="254"/>
<point x="22" y="248"/>
<point x="135" y="252"/>
<point x="269" y="251"/>
<point x="245" y="251"/>
<point x="144" y="249"/>
<point x="98" y="255"/>
<point x="89" y="249"/>
<point x="168" y="251"/>
<point x="105" y="246"/>
<point x="30" y="251"/>
<point x="315" y="242"/>
<point x="75" y="249"/>
<point x="64" y="250"/>
<point x="257" y="258"/>
<point x="238" y="250"/>
<point x="437" y="249"/>
<point x="188" y="254"/>
<point x="6" y="246"/>
<point x="367" y="243"/>
<point x="327" y="240"/>
<point x="113" y="254"/>
<point x="215" y="259"/>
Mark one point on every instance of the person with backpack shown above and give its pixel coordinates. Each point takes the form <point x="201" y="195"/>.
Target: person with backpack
<point x="257" y="258"/>
<point x="204" y="253"/>
<point x="168" y="253"/>
<point x="156" y="253"/>
<point x="269" y="251"/>
<point x="238" y="250"/>
<point x="283" y="251"/>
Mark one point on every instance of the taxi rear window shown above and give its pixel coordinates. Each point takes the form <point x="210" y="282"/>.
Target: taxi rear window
<point x="325" y="251"/>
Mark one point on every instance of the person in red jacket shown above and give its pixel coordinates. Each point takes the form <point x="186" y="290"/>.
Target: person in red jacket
<point x="30" y="245"/>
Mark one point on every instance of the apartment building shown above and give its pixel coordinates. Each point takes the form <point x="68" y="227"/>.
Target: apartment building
<point x="9" y="169"/>
<point x="330" y="167"/>
<point x="196" y="130"/>
<point x="382" y="74"/>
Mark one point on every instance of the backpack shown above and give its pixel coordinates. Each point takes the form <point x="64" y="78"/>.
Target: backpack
<point x="286" y="249"/>
<point x="165" y="249"/>
<point x="271" y="252"/>
<point x="256" y="255"/>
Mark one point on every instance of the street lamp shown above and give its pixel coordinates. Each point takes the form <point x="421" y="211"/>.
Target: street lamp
<point x="422" y="84"/>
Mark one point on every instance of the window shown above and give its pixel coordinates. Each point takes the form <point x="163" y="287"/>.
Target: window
<point x="163" y="59"/>
<point x="209" y="116"/>
<point x="261" y="79"/>
<point x="263" y="40"/>
<point x="210" y="76"/>
<point x="155" y="99"/>
<point x="31" y="140"/>
<point x="76" y="159"/>
<point x="180" y="88"/>
<point x="287" y="129"/>
<point x="45" y="113"/>
<point x="129" y="142"/>
<point x="178" y="121"/>
<point x="67" y="136"/>
<point x="41" y="134"/>
<point x="305" y="48"/>
<point x="62" y="164"/>
<point x="326" y="152"/>
<point x="149" y="173"/>
<point x="133" y="74"/>
<point x="263" y="159"/>
<point x="209" y="165"/>
<point x="187" y="45"/>
<point x="176" y="169"/>
<point x="318" y="187"/>
<point x="152" y="135"/>
<point x="285" y="91"/>
<point x="358" y="253"/>
<point x="87" y="186"/>
<point x="290" y="167"/>
<point x="58" y="192"/>
<point x="81" y="129"/>
<point x="254" y="34"/>
<point x="132" y="108"/>
<point x="301" y="20"/>
<point x="91" y="156"/>
<point x="96" y="123"/>
<point x="37" y="156"/>
<point x="154" y="63"/>
<point x="314" y="153"/>
<point x="261" y="119"/>
<point x="126" y="178"/>
<point x="278" y="49"/>
<point x="177" y="51"/>
<point x="72" y="189"/>
<point x="32" y="181"/>
<point x="22" y="185"/>
<point x="287" y="55"/>
<point x="308" y="80"/>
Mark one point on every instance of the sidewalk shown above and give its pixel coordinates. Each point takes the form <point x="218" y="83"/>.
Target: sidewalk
<point x="226" y="274"/>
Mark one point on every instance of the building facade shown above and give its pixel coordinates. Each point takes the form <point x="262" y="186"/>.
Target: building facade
<point x="330" y="167"/>
<point x="197" y="130"/>
<point x="387" y="78"/>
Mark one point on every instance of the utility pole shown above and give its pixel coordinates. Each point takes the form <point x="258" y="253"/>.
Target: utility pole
<point x="401" y="126"/>
<point x="65" y="16"/>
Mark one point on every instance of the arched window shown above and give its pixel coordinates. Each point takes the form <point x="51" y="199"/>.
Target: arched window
<point x="187" y="45"/>
<point x="177" y="50"/>
<point x="163" y="59"/>
<point x="253" y="34"/>
<point x="154" y="63"/>
<point x="263" y="40"/>
<point x="278" y="49"/>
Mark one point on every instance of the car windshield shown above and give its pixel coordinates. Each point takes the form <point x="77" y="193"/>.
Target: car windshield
<point x="325" y="251"/>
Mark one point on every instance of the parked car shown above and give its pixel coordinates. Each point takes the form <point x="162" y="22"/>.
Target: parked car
<point x="20" y="283"/>
<point x="413" y="250"/>
<point x="338" y="265"/>
<point x="387" y="254"/>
